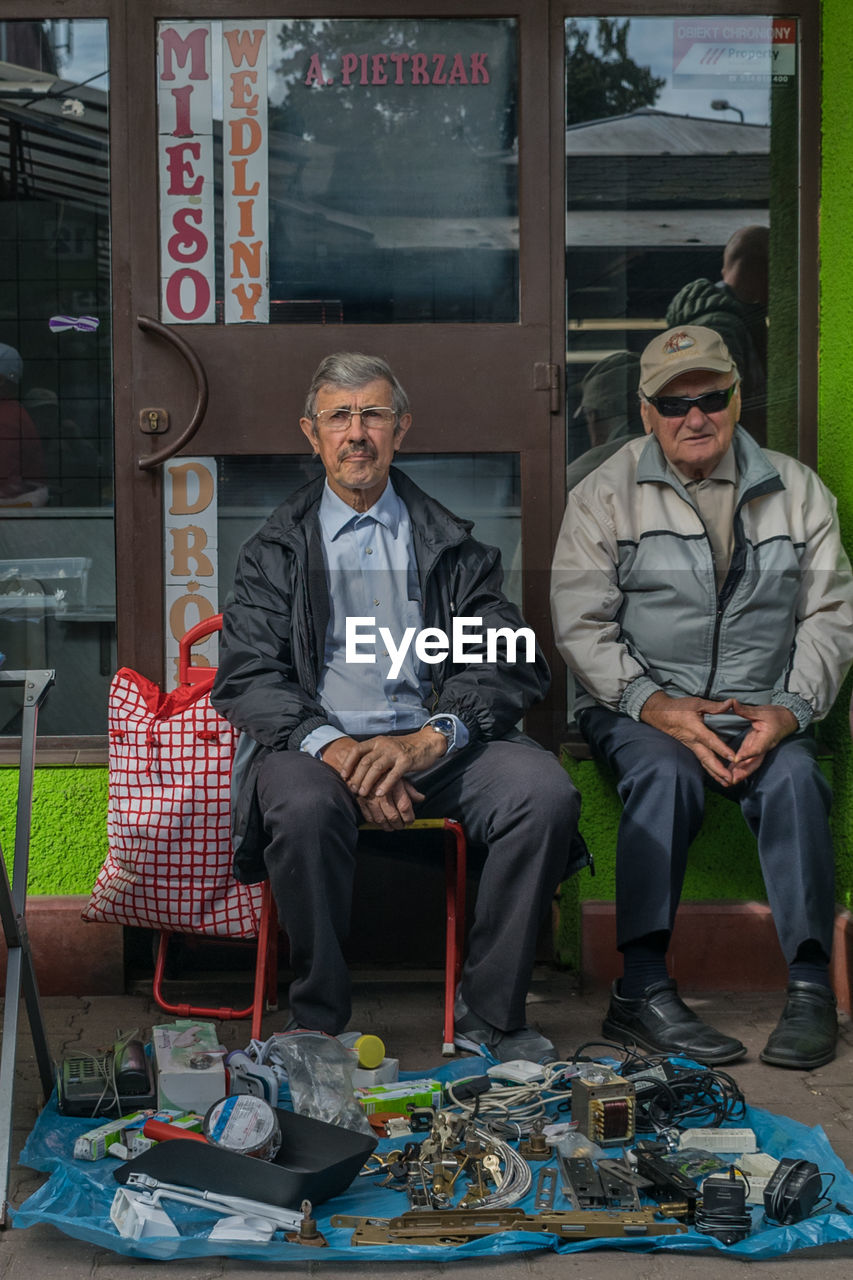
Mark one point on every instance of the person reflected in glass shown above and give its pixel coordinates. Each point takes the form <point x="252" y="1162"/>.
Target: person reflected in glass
<point x="610" y="408"/>
<point x="22" y="475"/>
<point x="736" y="307"/>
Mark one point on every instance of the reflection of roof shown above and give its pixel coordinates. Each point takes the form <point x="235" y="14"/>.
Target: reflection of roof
<point x="61" y="156"/>
<point x="654" y="133"/>
<point x="657" y="228"/>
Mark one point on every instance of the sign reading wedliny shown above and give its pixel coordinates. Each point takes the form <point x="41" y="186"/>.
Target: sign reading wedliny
<point x="245" y="172"/>
<point x="192" y="559"/>
<point x="734" y="51"/>
<point x="185" y="137"/>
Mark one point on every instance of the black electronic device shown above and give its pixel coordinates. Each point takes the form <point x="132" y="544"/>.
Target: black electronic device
<point x="722" y="1212"/>
<point x="793" y="1191"/>
<point x="114" y="1083"/>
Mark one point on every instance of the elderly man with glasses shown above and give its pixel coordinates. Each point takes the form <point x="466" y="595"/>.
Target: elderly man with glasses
<point x="335" y="734"/>
<point x="703" y="601"/>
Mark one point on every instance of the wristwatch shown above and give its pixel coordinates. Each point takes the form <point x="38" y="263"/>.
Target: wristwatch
<point x="445" y="726"/>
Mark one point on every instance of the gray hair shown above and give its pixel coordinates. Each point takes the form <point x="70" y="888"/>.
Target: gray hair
<point x="353" y="369"/>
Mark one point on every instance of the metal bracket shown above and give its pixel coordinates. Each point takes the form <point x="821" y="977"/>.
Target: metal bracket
<point x="20" y="970"/>
<point x="455" y="1226"/>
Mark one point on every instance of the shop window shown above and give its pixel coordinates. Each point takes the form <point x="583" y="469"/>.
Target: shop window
<point x="482" y="487"/>
<point x="339" y="170"/>
<point x="681" y="207"/>
<point x="57" y="575"/>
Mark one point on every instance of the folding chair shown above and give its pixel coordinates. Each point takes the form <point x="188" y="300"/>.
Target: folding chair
<point x="265" y="987"/>
<point x="266" y="963"/>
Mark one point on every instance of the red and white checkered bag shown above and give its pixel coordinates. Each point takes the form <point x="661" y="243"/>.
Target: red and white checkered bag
<point x="168" y="824"/>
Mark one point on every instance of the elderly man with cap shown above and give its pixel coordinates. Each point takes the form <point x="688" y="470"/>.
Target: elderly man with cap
<point x="703" y="601"/>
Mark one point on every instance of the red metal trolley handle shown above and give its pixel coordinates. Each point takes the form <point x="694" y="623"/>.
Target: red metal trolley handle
<point x="201" y="629"/>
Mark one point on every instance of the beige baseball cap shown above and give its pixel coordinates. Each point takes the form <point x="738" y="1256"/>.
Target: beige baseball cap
<point x="681" y="350"/>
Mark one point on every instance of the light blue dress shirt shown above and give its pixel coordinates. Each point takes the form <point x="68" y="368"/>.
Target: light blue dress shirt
<point x="371" y="572"/>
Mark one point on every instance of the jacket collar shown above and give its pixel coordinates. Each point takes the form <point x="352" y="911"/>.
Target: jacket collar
<point x="756" y="473"/>
<point x="434" y="528"/>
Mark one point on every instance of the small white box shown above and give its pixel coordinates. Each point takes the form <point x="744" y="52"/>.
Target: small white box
<point x="733" y="1141"/>
<point x="388" y="1072"/>
<point x="190" y="1067"/>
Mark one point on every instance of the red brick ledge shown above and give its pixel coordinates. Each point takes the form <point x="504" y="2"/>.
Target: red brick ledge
<point x="716" y="946"/>
<point x="72" y="958"/>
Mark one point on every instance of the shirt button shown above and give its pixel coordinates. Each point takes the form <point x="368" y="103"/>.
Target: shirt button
<point x="375" y="603"/>
<point x="369" y="551"/>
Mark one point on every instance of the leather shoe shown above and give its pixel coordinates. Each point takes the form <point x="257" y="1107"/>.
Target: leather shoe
<point x="660" y="1021"/>
<point x="805" y="1036"/>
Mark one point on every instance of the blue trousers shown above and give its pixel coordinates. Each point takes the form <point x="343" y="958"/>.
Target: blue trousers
<point x="662" y="787"/>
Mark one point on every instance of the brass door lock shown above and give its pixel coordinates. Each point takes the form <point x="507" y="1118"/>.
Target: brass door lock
<point x="154" y="422"/>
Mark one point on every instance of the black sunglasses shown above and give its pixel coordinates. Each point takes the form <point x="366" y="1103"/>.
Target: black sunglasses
<point x="680" y="406"/>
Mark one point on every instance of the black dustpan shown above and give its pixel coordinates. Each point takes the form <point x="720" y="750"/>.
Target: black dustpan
<point x="315" y="1162"/>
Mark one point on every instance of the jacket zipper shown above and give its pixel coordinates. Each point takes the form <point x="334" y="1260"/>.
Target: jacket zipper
<point x="723" y="598"/>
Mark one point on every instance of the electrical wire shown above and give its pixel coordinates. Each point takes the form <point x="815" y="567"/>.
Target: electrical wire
<point x="699" y="1097"/>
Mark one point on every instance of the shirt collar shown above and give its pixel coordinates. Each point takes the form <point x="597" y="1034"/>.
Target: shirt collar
<point x="726" y="469"/>
<point x="335" y="515"/>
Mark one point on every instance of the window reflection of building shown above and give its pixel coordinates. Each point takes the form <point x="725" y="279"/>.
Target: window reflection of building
<point x="652" y="199"/>
<point x="57" y="573"/>
<point x="393" y="196"/>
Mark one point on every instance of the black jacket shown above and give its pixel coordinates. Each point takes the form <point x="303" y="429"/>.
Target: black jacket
<point x="274" y="629"/>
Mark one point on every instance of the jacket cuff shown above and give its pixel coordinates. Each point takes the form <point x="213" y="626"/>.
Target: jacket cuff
<point x="294" y="742"/>
<point x="804" y="711"/>
<point x="636" y="695"/>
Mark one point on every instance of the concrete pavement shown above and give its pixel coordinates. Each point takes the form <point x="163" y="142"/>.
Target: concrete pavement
<point x="405" y="1009"/>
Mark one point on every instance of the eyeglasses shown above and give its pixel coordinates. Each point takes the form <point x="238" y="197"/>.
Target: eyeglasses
<point x="376" y="415"/>
<point x="680" y="406"/>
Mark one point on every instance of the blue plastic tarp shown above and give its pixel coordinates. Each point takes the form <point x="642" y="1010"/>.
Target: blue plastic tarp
<point x="77" y="1196"/>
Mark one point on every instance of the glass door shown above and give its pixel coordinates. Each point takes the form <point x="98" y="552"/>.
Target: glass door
<point x="321" y="183"/>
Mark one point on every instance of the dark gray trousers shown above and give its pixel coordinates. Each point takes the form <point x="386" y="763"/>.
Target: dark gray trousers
<point x="513" y="798"/>
<point x="662" y="787"/>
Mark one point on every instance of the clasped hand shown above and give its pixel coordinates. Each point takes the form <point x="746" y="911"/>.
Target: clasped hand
<point x="374" y="771"/>
<point x="684" y="719"/>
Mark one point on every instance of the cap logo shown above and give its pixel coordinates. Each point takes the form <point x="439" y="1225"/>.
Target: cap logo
<point x="678" y="342"/>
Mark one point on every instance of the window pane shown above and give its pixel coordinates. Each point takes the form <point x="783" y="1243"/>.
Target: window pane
<point x="393" y="190"/>
<point x="681" y="140"/>
<point x="485" y="488"/>
<point x="385" y="155"/>
<point x="57" y="575"/>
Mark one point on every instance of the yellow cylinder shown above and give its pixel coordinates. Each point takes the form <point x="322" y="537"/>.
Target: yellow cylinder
<point x="370" y="1050"/>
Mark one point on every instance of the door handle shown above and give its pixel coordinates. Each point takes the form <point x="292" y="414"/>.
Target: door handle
<point x="149" y="325"/>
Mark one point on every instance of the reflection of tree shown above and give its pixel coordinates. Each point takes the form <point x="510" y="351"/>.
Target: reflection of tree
<point x="604" y="81"/>
<point x="480" y="118"/>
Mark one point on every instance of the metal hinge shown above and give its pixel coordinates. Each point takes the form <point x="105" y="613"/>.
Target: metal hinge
<point x="546" y="377"/>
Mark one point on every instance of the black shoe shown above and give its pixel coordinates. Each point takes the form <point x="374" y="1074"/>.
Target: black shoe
<point x="473" y="1033"/>
<point x="659" y="1020"/>
<point x="805" y="1036"/>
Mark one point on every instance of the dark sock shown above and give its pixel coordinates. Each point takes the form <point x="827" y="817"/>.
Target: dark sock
<point x="810" y="964"/>
<point x="645" y="964"/>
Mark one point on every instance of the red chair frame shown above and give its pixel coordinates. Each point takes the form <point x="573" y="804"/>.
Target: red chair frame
<point x="265" y="992"/>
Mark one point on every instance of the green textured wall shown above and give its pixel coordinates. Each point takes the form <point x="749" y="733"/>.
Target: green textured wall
<point x="835" y="447"/>
<point x="68" y="839"/>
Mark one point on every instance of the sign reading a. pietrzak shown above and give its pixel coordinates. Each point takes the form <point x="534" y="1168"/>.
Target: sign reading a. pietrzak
<point x="399" y="68"/>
